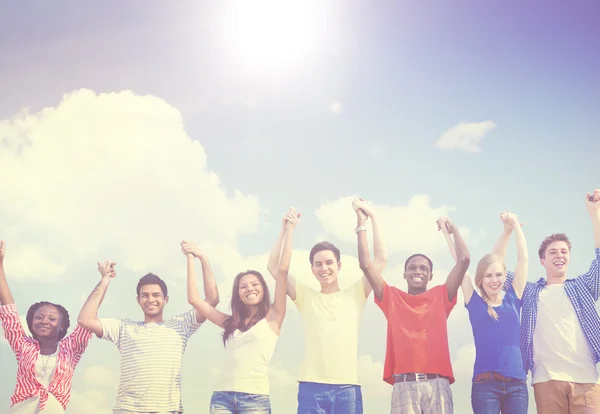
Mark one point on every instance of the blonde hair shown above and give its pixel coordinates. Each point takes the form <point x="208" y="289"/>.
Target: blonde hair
<point x="482" y="268"/>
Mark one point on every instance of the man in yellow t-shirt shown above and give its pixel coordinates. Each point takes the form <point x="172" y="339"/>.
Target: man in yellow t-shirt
<point x="329" y="373"/>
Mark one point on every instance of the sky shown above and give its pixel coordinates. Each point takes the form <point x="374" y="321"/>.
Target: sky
<point x="128" y="127"/>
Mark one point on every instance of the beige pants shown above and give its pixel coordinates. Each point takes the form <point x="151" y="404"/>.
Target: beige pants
<point x="558" y="397"/>
<point x="422" y="397"/>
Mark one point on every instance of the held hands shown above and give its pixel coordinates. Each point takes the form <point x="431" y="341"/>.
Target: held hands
<point x="363" y="209"/>
<point x="190" y="248"/>
<point x="511" y="221"/>
<point x="291" y="218"/>
<point x="445" y="225"/>
<point x="107" y="269"/>
<point x="592" y="202"/>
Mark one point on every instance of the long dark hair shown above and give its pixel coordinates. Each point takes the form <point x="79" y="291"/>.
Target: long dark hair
<point x="64" y="318"/>
<point x="239" y="311"/>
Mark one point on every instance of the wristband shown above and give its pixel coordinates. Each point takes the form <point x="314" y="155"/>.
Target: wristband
<point x="360" y="228"/>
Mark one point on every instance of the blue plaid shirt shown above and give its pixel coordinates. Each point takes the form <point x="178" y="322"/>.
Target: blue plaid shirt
<point x="583" y="293"/>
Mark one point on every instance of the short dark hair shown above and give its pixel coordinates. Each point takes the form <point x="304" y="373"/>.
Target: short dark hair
<point x="551" y="239"/>
<point x="64" y="318"/>
<point x="419" y="255"/>
<point x="324" y="245"/>
<point x="152" y="279"/>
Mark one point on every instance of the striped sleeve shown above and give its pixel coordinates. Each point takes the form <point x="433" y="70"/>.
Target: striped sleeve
<point x="111" y="330"/>
<point x="78" y="341"/>
<point x="189" y="322"/>
<point x="13" y="329"/>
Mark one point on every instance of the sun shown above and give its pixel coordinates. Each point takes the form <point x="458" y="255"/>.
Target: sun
<point x="275" y="35"/>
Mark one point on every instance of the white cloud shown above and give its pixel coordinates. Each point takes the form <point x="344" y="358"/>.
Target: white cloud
<point x="406" y="228"/>
<point x="465" y="136"/>
<point x="30" y="261"/>
<point x="100" y="376"/>
<point x="90" y="401"/>
<point x="465" y="359"/>
<point x="108" y="170"/>
<point x="370" y="373"/>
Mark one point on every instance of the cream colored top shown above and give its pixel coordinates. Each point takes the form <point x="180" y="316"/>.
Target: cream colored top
<point x="331" y="323"/>
<point x="247" y="360"/>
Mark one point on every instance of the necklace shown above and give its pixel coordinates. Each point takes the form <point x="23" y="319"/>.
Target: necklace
<point x="45" y="363"/>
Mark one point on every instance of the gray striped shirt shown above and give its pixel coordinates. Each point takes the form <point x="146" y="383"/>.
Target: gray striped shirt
<point x="151" y="359"/>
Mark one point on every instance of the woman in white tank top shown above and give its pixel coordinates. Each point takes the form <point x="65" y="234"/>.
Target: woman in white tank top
<point x="250" y="333"/>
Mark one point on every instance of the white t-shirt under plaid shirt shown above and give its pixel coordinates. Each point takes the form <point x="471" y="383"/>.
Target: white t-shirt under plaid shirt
<point x="151" y="359"/>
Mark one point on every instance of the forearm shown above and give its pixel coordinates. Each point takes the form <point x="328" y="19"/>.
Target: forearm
<point x="596" y="224"/>
<point x="283" y="266"/>
<point x="522" y="254"/>
<point x="463" y="256"/>
<point x="502" y="244"/>
<point x="275" y="255"/>
<point x="89" y="312"/>
<point x="450" y="243"/>
<point x="6" y="297"/>
<point x="379" y="246"/>
<point x="211" y="292"/>
<point x="364" y="257"/>
<point x="192" y="287"/>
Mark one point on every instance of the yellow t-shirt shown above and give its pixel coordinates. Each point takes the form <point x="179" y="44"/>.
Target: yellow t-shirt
<point x="331" y="323"/>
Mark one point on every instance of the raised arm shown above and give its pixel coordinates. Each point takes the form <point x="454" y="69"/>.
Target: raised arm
<point x="520" y="278"/>
<point x="275" y="255"/>
<point x="88" y="316"/>
<point x="277" y="312"/>
<point x="502" y="243"/>
<point x="592" y="202"/>
<point x="205" y="308"/>
<point x="5" y="294"/>
<point x="463" y="259"/>
<point x="466" y="284"/>
<point x="373" y="270"/>
<point x="592" y="277"/>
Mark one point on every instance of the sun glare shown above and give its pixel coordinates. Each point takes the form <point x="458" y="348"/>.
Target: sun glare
<point x="273" y="35"/>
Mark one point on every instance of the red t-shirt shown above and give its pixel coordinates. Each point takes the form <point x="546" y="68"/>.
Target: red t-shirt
<point x="417" y="333"/>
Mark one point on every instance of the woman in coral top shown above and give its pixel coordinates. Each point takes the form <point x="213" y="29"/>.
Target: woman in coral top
<point x="46" y="359"/>
<point x="499" y="380"/>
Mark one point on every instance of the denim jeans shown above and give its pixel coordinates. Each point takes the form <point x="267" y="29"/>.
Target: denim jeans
<point x="231" y="402"/>
<point x="316" y="398"/>
<point x="494" y="396"/>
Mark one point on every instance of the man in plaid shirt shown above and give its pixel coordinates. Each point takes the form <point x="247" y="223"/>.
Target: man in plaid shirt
<point x="560" y="326"/>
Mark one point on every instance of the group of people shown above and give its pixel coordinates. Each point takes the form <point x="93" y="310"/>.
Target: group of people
<point x="550" y="328"/>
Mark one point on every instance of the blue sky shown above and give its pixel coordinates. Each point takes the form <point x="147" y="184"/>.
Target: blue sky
<point x="212" y="146"/>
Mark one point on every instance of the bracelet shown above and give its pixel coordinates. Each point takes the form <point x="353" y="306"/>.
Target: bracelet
<point x="359" y="229"/>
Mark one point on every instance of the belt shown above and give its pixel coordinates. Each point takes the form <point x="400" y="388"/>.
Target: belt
<point x="415" y="376"/>
<point x="492" y="375"/>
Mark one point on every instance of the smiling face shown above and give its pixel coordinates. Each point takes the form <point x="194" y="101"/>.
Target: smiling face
<point x="46" y="322"/>
<point x="417" y="273"/>
<point x="250" y="290"/>
<point x="556" y="259"/>
<point x="325" y="267"/>
<point x="151" y="300"/>
<point x="493" y="279"/>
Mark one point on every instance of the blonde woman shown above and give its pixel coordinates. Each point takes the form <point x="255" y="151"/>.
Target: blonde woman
<point x="499" y="380"/>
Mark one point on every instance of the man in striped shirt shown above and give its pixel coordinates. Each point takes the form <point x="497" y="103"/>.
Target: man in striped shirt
<point x="560" y="326"/>
<point x="152" y="350"/>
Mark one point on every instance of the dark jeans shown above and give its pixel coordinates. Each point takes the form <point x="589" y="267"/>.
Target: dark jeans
<point x="493" y="396"/>
<point x="231" y="402"/>
<point x="316" y="398"/>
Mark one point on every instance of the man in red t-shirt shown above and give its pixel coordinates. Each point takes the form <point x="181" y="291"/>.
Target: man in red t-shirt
<point x="417" y="360"/>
